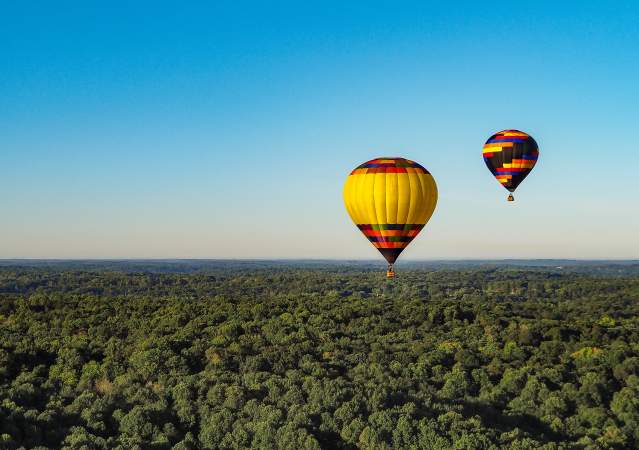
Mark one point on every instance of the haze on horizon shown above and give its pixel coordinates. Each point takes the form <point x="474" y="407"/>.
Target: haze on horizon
<point x="228" y="130"/>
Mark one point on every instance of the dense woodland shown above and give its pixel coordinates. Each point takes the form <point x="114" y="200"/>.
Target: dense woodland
<point x="318" y="357"/>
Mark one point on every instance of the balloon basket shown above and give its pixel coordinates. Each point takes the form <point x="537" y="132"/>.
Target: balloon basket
<point x="511" y="198"/>
<point x="390" y="273"/>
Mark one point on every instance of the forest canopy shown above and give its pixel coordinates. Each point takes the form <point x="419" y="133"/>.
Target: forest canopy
<point x="314" y="356"/>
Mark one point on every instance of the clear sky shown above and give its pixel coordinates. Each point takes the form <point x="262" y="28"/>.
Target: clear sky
<point x="227" y="129"/>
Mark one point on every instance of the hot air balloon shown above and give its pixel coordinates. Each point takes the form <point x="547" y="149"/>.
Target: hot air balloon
<point x="510" y="155"/>
<point x="390" y="200"/>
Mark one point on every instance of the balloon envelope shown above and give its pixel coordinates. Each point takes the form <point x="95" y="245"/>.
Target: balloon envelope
<point x="510" y="155"/>
<point x="390" y="200"/>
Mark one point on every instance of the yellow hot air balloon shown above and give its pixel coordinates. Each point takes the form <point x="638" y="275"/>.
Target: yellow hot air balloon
<point x="390" y="200"/>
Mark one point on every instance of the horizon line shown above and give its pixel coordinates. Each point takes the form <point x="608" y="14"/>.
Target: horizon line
<point x="177" y="259"/>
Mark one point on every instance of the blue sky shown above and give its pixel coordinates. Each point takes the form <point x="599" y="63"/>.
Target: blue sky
<point x="227" y="129"/>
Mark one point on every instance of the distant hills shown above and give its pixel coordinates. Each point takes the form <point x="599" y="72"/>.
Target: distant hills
<point x="593" y="267"/>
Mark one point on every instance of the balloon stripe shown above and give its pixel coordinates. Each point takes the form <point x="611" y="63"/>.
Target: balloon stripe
<point x="427" y="194"/>
<point x="379" y="193"/>
<point x="502" y="140"/>
<point x="390" y="226"/>
<point x="367" y="194"/>
<point x="390" y="238"/>
<point x="389" y="170"/>
<point x="391" y="197"/>
<point x="403" y="197"/>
